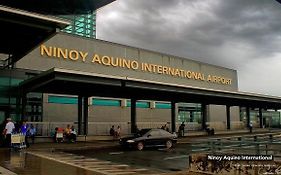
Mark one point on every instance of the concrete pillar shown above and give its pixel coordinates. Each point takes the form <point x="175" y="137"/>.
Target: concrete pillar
<point x="227" y="116"/>
<point x="204" y="116"/>
<point x="248" y="116"/>
<point x="173" y="116"/>
<point x="261" y="117"/>
<point x="85" y="114"/>
<point x="133" y="115"/>
<point x="80" y="114"/>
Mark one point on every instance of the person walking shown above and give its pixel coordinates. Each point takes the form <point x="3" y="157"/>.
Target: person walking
<point x="32" y="133"/>
<point x="73" y="134"/>
<point x="23" y="130"/>
<point x="181" y="129"/>
<point x="2" y="137"/>
<point x="9" y="128"/>
<point x="111" y="131"/>
<point x="251" y="127"/>
<point x="118" y="131"/>
<point x="67" y="133"/>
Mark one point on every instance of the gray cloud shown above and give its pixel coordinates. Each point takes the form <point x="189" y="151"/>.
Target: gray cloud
<point x="239" y="34"/>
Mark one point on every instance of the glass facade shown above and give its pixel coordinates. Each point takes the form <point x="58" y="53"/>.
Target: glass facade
<point x="10" y="102"/>
<point x="8" y="106"/>
<point x="271" y="119"/>
<point x="34" y="107"/>
<point x="189" y="112"/>
<point x="82" y="25"/>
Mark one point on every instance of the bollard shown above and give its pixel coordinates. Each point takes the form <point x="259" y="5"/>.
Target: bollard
<point x="257" y="149"/>
<point x="219" y="144"/>
<point x="270" y="137"/>
<point x="255" y="138"/>
<point x="240" y="143"/>
<point x="211" y="146"/>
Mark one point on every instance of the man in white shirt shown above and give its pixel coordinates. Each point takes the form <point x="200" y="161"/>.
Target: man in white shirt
<point x="8" y="131"/>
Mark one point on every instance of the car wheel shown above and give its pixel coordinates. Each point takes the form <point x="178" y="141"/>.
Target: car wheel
<point x="169" y="144"/>
<point x="140" y="146"/>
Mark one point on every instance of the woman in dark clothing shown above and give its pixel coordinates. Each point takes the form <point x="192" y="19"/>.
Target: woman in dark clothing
<point x="2" y="138"/>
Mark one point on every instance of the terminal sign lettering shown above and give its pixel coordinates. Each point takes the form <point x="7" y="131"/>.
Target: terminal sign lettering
<point x="75" y="55"/>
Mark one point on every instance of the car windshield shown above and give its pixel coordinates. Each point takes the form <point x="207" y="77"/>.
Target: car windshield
<point x="142" y="132"/>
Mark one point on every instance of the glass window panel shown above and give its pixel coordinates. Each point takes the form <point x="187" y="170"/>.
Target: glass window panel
<point x="4" y="100"/>
<point x="139" y="104"/>
<point x="106" y="102"/>
<point x="62" y="99"/>
<point x="160" y="105"/>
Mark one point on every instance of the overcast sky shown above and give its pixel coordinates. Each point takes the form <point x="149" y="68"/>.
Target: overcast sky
<point x="239" y="34"/>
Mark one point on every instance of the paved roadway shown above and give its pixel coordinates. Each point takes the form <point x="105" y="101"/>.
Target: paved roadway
<point x="102" y="160"/>
<point x="159" y="160"/>
<point x="97" y="158"/>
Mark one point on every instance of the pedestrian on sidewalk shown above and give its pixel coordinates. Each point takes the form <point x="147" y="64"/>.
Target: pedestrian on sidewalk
<point x="9" y="129"/>
<point x="23" y="130"/>
<point x="181" y="129"/>
<point x="251" y="127"/>
<point x="112" y="132"/>
<point x="32" y="133"/>
<point x="118" y="132"/>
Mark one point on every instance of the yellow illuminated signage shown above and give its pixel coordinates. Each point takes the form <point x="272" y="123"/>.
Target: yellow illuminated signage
<point x="75" y="55"/>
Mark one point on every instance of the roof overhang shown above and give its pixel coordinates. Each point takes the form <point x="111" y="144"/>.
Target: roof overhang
<point x="22" y="31"/>
<point x="63" y="81"/>
<point x="57" y="7"/>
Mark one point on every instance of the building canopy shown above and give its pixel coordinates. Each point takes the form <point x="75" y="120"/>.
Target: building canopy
<point x="22" y="31"/>
<point x="62" y="81"/>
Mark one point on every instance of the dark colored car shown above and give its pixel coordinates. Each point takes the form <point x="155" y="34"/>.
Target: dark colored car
<point x="150" y="138"/>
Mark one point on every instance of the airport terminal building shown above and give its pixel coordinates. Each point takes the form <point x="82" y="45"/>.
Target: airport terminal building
<point x="93" y="84"/>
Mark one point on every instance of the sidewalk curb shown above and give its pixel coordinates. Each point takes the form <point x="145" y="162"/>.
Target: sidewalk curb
<point x="4" y="171"/>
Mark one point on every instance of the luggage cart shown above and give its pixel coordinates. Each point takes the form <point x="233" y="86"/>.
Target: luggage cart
<point x="59" y="137"/>
<point x="18" y="141"/>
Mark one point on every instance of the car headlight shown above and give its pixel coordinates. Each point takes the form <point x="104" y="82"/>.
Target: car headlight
<point x="130" y="141"/>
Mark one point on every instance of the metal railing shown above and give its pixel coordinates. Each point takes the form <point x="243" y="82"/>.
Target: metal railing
<point x="268" y="143"/>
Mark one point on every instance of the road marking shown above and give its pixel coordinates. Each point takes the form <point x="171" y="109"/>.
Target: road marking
<point x="85" y="160"/>
<point x="97" y="162"/>
<point x="120" y="173"/>
<point x="108" y="165"/>
<point x="176" y="157"/>
<point x="140" y="169"/>
<point x="92" y="164"/>
<point x="4" y="171"/>
<point x="121" y="165"/>
<point x="115" y="153"/>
